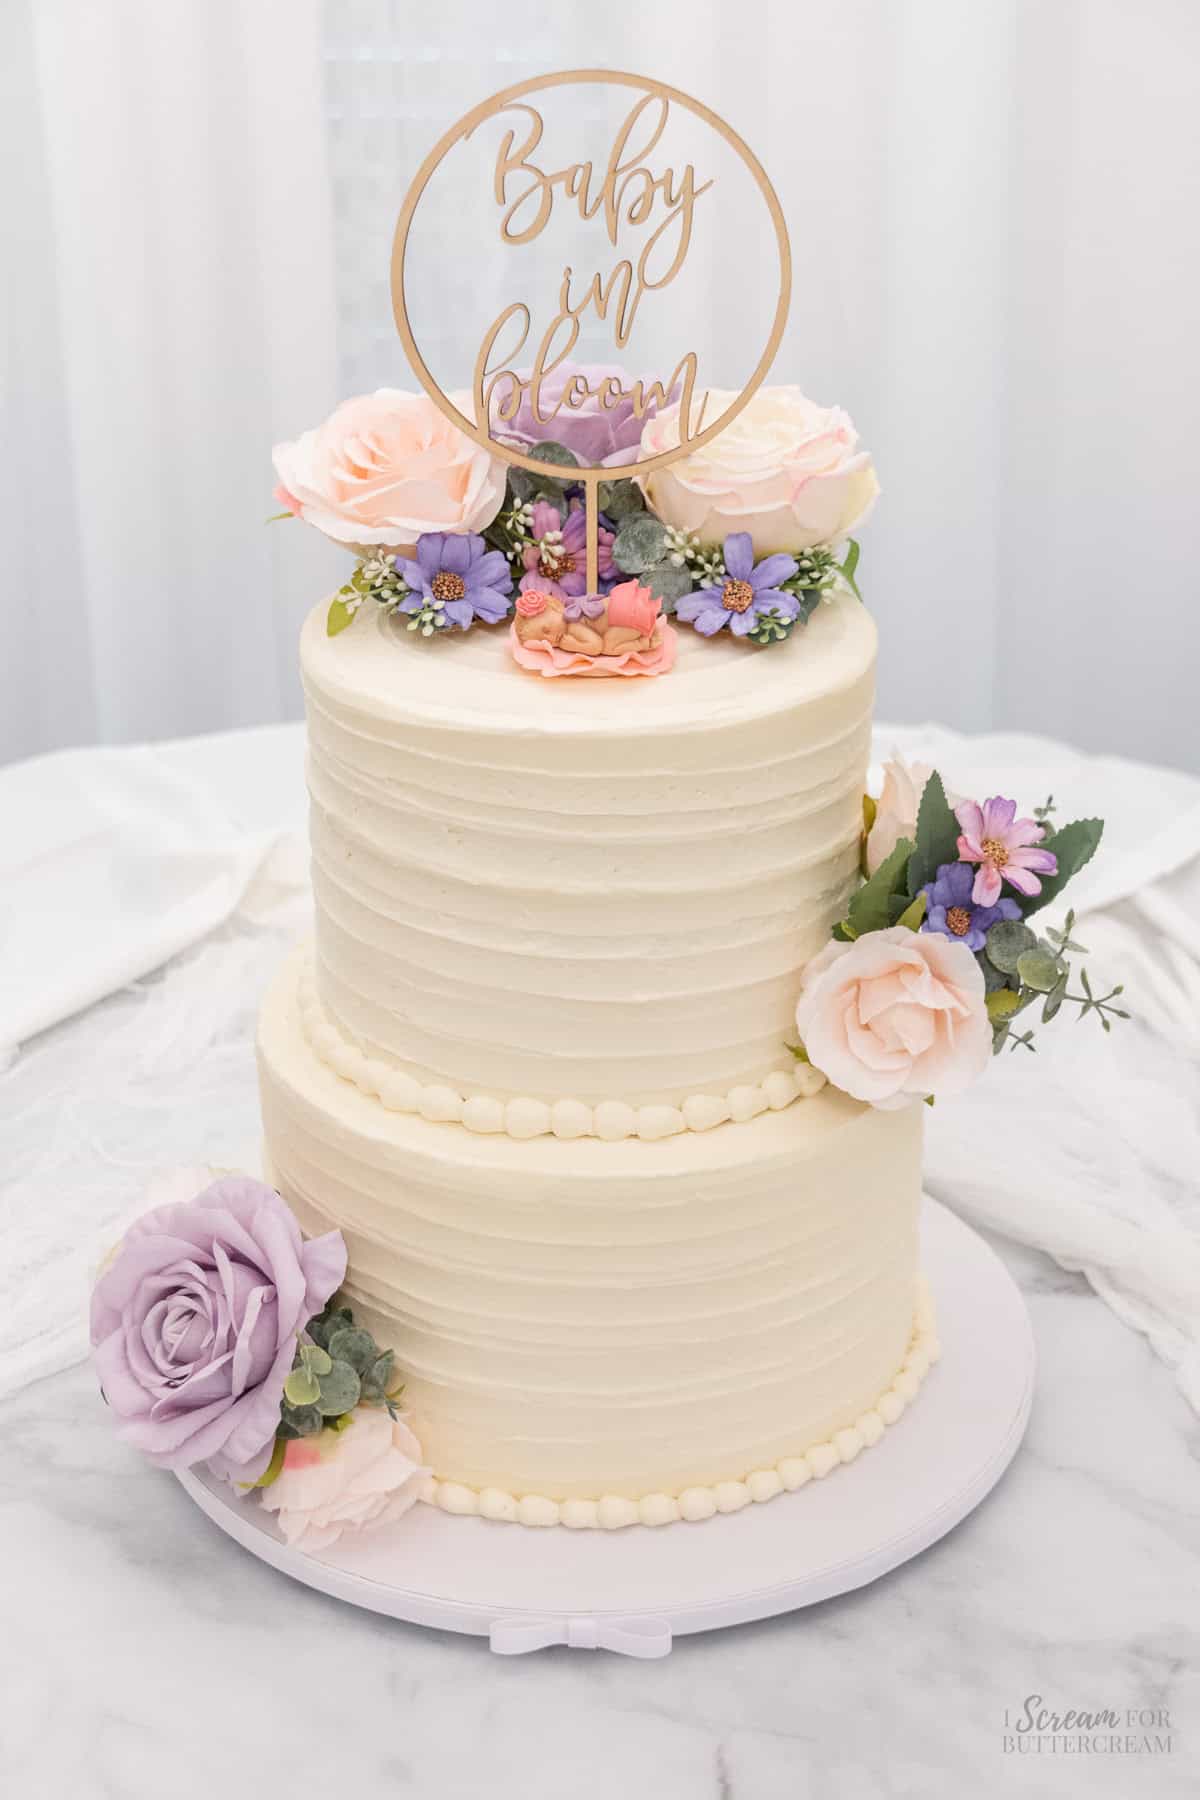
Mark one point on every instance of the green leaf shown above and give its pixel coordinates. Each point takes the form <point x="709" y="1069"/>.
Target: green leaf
<point x="339" y="1390"/>
<point x="870" y="812"/>
<point x="620" y="499"/>
<point x="274" y="1468"/>
<point x="914" y="912"/>
<point x="550" y="452"/>
<point x="1074" y="845"/>
<point x="937" y="835"/>
<point x="377" y="1378"/>
<point x="1002" y="1004"/>
<point x="869" y="906"/>
<point x="849" y="564"/>
<point x="1007" y="942"/>
<point x="353" y="1345"/>
<point x="669" y="581"/>
<point x="640" y="544"/>
<point x="1039" y="969"/>
<point x="798" y="1051"/>
<point x="315" y="1358"/>
<point x="1055" y="997"/>
<point x="301" y="1421"/>
<point x="301" y="1388"/>
<point x="993" y="978"/>
<point x="843" y="932"/>
<point x="338" y="617"/>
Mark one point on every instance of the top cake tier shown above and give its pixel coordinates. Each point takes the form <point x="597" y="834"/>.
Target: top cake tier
<point x="595" y="890"/>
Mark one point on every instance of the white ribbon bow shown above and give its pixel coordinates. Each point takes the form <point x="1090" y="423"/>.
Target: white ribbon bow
<point x="645" y="1638"/>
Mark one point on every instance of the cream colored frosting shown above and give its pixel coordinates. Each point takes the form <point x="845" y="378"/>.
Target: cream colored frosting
<point x="589" y="891"/>
<point x="579" y="1319"/>
<point x="527" y="1117"/>
<point x="612" y="1512"/>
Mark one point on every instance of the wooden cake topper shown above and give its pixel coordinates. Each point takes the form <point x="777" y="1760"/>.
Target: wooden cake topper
<point x="629" y="193"/>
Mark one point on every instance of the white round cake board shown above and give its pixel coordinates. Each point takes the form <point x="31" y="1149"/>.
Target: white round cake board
<point x="634" y="1590"/>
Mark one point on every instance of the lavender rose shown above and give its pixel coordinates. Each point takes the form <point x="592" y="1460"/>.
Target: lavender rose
<point x="595" y="434"/>
<point x="195" y="1321"/>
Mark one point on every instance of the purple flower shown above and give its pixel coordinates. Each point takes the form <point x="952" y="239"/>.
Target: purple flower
<point x="953" y="912"/>
<point x="595" y="434"/>
<point x="748" y="589"/>
<point x="1003" y="846"/>
<point x="194" y="1324"/>
<point x="458" y="578"/>
<point x="556" y="560"/>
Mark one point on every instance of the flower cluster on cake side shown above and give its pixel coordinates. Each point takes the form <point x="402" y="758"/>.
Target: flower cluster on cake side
<point x="741" y="535"/>
<point x="219" y="1341"/>
<point x="935" y="961"/>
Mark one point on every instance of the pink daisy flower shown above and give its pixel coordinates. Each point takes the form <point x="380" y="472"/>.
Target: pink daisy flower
<point x="556" y="560"/>
<point x="1003" y="846"/>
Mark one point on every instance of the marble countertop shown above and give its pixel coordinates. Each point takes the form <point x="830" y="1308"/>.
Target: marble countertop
<point x="145" y="1654"/>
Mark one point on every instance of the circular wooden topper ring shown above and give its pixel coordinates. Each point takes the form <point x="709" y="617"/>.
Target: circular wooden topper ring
<point x="486" y="110"/>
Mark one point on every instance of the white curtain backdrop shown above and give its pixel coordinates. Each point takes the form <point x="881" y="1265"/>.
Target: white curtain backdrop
<point x="993" y="218"/>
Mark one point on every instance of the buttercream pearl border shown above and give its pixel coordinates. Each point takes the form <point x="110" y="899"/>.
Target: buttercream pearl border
<point x="527" y="1118"/>
<point x="612" y="1512"/>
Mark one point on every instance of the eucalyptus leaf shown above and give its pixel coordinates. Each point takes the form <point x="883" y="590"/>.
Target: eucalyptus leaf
<point x="993" y="977"/>
<point x="1007" y="942"/>
<point x="639" y="544"/>
<point x="669" y="582"/>
<point x="1002" y="1004"/>
<point x="937" y="835"/>
<point x="377" y="1378"/>
<point x="550" y="452"/>
<point x="339" y="1389"/>
<point x="301" y="1388"/>
<point x="1074" y="845"/>
<point x="353" y="1345"/>
<point x="1055" y="997"/>
<point x="316" y="1358"/>
<point x="868" y="909"/>
<point x="338" y="617"/>
<point x="1039" y="969"/>
<point x="806" y="605"/>
<point x="620" y="499"/>
<point x="305" y="1421"/>
<point x="870" y="812"/>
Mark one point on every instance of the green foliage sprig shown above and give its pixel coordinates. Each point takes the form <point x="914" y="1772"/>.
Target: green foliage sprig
<point x="337" y="1366"/>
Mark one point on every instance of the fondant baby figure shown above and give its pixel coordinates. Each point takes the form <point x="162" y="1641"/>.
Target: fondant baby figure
<point x="620" y="623"/>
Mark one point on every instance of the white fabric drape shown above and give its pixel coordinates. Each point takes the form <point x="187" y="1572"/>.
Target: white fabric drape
<point x="171" y="313"/>
<point x="997" y="250"/>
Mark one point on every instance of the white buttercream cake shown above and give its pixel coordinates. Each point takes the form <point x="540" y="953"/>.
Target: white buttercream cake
<point x="636" y="1261"/>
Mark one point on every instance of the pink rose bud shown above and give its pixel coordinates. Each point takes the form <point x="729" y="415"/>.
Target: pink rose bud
<point x="633" y="606"/>
<point x="530" y="603"/>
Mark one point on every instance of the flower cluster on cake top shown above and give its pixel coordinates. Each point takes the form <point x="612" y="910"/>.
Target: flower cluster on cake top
<point x="935" y="961"/>
<point x="745" y="535"/>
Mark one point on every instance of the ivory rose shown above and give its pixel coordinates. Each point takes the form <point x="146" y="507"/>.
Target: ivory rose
<point x="786" y="470"/>
<point x="368" y="1474"/>
<point x="385" y="468"/>
<point x="896" y="808"/>
<point x="895" y="1016"/>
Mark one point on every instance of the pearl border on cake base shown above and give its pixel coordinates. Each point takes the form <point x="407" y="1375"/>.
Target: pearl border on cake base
<point x="635" y="1591"/>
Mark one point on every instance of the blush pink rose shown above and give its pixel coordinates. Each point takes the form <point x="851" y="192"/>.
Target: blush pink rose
<point x="368" y="1474"/>
<point x="786" y="470"/>
<point x="384" y="468"/>
<point x="895" y="1016"/>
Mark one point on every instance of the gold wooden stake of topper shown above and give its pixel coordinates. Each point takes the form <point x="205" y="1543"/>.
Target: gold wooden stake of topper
<point x="677" y="192"/>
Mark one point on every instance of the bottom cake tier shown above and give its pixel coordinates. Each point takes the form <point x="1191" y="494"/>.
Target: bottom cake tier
<point x="594" y="1333"/>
